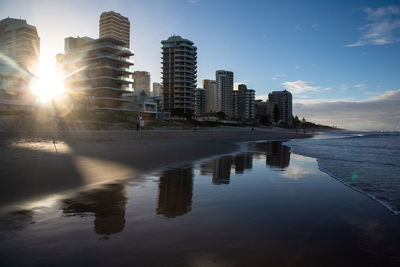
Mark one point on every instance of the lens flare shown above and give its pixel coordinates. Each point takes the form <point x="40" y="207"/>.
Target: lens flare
<point x="49" y="84"/>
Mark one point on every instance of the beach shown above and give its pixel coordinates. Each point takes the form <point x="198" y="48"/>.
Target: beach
<point x="32" y="165"/>
<point x="223" y="197"/>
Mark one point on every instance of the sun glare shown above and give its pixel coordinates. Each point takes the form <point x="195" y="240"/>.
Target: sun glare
<point x="49" y="83"/>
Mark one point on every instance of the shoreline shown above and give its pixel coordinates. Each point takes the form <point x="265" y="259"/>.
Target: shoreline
<point x="33" y="167"/>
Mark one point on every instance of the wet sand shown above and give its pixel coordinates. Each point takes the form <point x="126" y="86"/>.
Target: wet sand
<point x="263" y="206"/>
<point x="32" y="166"/>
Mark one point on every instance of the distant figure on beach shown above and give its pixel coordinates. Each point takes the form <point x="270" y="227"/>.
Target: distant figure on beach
<point x="252" y="129"/>
<point x="139" y="119"/>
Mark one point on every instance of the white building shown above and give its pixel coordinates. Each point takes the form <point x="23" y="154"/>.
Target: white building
<point x="213" y="96"/>
<point x="141" y="81"/>
<point x="157" y="89"/>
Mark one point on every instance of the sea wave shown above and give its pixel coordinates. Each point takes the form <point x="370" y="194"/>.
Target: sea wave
<point x="368" y="162"/>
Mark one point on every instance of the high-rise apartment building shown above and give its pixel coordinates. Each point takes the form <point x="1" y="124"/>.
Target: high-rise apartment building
<point x="115" y="25"/>
<point x="179" y="75"/>
<point x="19" y="58"/>
<point x="284" y="101"/>
<point x="157" y="89"/>
<point x="224" y="80"/>
<point x="200" y="101"/>
<point x="251" y="98"/>
<point x="213" y="96"/>
<point x="141" y="81"/>
<point x="243" y="103"/>
<point x="99" y="72"/>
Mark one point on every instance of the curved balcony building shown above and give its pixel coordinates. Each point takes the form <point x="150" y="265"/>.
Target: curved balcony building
<point x="179" y="75"/>
<point x="98" y="72"/>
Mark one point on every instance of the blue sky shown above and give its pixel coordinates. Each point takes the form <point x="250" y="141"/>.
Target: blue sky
<point x="321" y="51"/>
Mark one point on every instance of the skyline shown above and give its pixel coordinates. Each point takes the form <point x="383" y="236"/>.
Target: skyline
<point x="340" y="57"/>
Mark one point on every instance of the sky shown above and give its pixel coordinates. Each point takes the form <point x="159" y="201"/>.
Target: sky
<point x="339" y="59"/>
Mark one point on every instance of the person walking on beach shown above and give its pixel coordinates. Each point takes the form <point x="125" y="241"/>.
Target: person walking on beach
<point x="138" y="123"/>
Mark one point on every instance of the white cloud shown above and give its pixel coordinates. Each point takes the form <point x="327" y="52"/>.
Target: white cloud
<point x="296" y="172"/>
<point x="360" y="86"/>
<point x="278" y="76"/>
<point x="376" y="113"/>
<point x="299" y="87"/>
<point x="381" y="28"/>
<point x="297" y="27"/>
<point x="262" y="97"/>
<point x="192" y="1"/>
<point x="297" y="67"/>
<point x="343" y="87"/>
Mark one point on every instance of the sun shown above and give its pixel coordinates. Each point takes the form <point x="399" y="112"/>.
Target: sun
<point x="48" y="84"/>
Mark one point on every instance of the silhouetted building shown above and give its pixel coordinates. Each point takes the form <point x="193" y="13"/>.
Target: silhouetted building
<point x="200" y="101"/>
<point x="175" y="192"/>
<point x="107" y="205"/>
<point x="243" y="103"/>
<point x="141" y="81"/>
<point x="179" y="75"/>
<point x="260" y="108"/>
<point x="19" y="51"/>
<point x="284" y="101"/>
<point x="99" y="72"/>
<point x="115" y="25"/>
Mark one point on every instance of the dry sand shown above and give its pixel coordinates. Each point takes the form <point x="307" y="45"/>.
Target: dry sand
<point x="32" y="166"/>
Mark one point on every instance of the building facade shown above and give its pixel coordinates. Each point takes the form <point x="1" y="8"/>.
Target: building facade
<point x="200" y="101"/>
<point x="141" y="81"/>
<point x="284" y="101"/>
<point x="243" y="103"/>
<point x="19" y="59"/>
<point x="224" y="80"/>
<point x="179" y="75"/>
<point x="115" y="25"/>
<point x="157" y="89"/>
<point x="100" y="71"/>
<point x="213" y="96"/>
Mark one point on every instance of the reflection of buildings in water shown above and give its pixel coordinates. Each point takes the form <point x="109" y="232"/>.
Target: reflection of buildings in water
<point x="175" y="192"/>
<point x="107" y="204"/>
<point x="221" y="168"/>
<point x="243" y="162"/>
<point x="277" y="155"/>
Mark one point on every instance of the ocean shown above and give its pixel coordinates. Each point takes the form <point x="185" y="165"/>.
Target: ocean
<point x="368" y="162"/>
